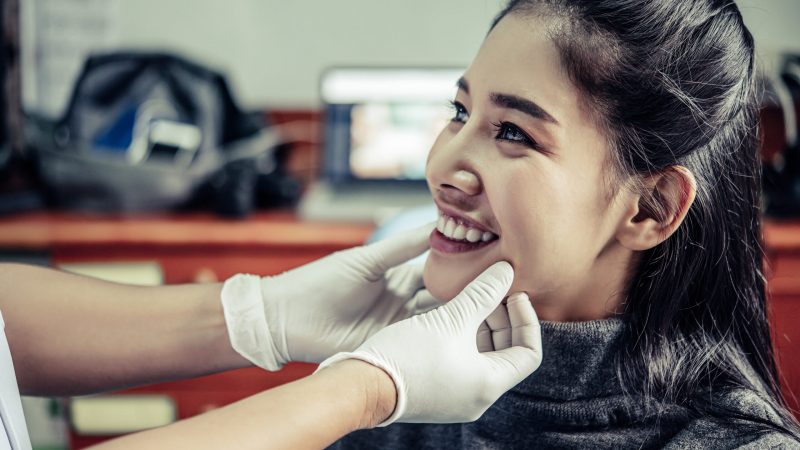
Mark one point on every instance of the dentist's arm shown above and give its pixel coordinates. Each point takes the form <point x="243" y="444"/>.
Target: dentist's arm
<point x="70" y="334"/>
<point x="73" y="335"/>
<point x="310" y="413"/>
<point x="423" y="369"/>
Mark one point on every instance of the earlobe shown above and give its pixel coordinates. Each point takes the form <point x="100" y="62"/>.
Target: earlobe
<point x="653" y="214"/>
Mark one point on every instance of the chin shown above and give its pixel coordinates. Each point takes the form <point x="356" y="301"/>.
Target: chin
<point x="445" y="281"/>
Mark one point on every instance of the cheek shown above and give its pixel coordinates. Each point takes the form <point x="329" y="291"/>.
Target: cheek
<point x="538" y="228"/>
<point x="525" y="245"/>
<point x="555" y="235"/>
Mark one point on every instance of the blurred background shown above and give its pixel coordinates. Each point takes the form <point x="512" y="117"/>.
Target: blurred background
<point x="184" y="141"/>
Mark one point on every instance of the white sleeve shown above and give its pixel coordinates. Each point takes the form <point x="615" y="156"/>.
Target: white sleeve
<point x="13" y="430"/>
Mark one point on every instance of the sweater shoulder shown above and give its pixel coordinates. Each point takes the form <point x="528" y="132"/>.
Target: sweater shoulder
<point x="748" y="421"/>
<point x="703" y="434"/>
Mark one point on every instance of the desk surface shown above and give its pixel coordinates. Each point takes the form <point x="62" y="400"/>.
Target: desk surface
<point x="43" y="230"/>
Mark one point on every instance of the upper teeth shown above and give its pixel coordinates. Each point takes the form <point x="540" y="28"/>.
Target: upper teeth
<point x="456" y="231"/>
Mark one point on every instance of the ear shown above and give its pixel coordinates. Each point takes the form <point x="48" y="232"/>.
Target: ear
<point x="653" y="214"/>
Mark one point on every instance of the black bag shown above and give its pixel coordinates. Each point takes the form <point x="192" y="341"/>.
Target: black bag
<point x="143" y="132"/>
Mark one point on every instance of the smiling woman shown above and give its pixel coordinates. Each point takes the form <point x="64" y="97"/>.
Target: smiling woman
<point x="607" y="149"/>
<point x="507" y="165"/>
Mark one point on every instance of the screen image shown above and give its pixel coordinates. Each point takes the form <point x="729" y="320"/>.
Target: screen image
<point x="380" y="123"/>
<point x="392" y="140"/>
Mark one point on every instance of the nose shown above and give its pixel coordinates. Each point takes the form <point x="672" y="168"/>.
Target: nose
<point x="451" y="170"/>
<point x="463" y="180"/>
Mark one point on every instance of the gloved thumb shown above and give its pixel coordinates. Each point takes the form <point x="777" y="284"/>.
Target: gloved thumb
<point x="482" y="295"/>
<point x="395" y="250"/>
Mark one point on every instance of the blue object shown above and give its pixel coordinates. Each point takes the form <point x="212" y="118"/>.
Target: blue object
<point x="406" y="220"/>
<point x="119" y="135"/>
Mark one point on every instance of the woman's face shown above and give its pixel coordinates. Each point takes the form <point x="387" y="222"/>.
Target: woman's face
<point x="523" y="165"/>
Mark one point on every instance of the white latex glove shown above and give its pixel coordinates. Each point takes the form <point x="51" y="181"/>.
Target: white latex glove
<point x="327" y="306"/>
<point x="433" y="358"/>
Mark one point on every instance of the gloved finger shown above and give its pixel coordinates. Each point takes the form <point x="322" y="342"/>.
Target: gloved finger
<point x="425" y="301"/>
<point x="421" y="302"/>
<point x="395" y="250"/>
<point x="484" y="338"/>
<point x="500" y="327"/>
<point x="509" y="366"/>
<point x="481" y="296"/>
<point x="525" y="328"/>
<point x="405" y="279"/>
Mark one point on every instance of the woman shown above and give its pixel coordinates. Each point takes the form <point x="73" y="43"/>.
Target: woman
<point x="607" y="149"/>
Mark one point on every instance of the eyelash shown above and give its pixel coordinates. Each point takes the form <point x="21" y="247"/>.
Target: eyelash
<point x="501" y="127"/>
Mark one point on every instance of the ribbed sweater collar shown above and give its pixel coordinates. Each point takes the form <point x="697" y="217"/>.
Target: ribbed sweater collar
<point x="578" y="362"/>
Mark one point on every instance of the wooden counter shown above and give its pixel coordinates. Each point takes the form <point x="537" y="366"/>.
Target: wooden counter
<point x="185" y="246"/>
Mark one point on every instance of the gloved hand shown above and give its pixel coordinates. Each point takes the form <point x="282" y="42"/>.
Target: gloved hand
<point x="327" y="306"/>
<point x="434" y="361"/>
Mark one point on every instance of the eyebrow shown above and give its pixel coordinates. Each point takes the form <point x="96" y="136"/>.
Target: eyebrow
<point x="514" y="102"/>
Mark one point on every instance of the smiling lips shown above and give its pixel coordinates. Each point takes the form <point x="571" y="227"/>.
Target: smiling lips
<point x="454" y="235"/>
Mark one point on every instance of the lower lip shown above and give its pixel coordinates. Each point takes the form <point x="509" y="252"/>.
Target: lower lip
<point x="442" y="244"/>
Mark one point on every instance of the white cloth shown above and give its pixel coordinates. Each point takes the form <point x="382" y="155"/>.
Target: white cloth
<point x="13" y="430"/>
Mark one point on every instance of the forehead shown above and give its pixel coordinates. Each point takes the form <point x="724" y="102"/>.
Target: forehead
<point x="519" y="58"/>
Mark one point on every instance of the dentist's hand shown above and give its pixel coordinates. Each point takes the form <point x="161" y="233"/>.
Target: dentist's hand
<point x="433" y="358"/>
<point x="327" y="306"/>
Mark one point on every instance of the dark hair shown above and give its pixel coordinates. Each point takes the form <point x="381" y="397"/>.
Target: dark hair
<point x="672" y="82"/>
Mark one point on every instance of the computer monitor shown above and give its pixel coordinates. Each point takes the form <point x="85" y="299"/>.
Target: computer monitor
<point x="380" y="123"/>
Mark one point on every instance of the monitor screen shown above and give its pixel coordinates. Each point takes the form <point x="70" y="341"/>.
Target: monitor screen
<point x="381" y="123"/>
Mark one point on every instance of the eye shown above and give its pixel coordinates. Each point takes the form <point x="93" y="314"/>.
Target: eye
<point x="507" y="131"/>
<point x="460" y="113"/>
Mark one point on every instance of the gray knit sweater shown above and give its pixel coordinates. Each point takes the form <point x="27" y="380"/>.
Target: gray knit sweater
<point x="575" y="401"/>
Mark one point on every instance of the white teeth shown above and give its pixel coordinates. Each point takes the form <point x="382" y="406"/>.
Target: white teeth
<point x="473" y="235"/>
<point x="461" y="232"/>
<point x="449" y="228"/>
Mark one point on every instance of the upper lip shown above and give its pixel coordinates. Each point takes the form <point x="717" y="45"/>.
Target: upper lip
<point x="462" y="218"/>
